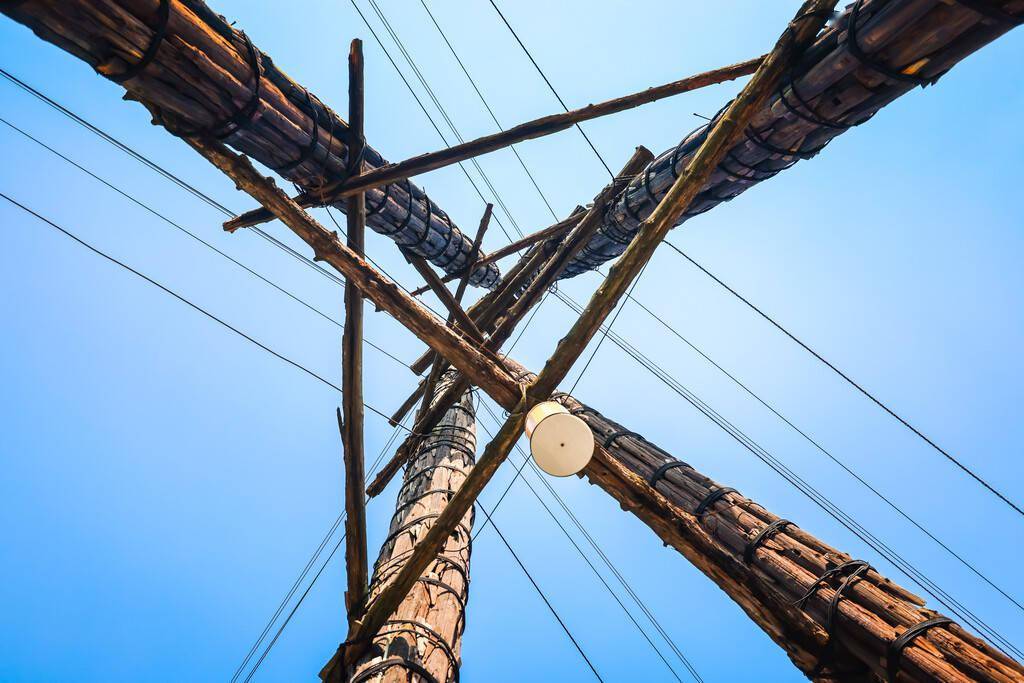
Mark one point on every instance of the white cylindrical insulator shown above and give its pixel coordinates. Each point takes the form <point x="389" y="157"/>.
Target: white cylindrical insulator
<point x="562" y="444"/>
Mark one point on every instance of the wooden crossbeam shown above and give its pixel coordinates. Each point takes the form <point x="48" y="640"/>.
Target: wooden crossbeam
<point x="548" y="233"/>
<point x="480" y="368"/>
<point x="455" y="310"/>
<point x="437" y="368"/>
<point x="549" y="270"/>
<point x="489" y="143"/>
<point x="798" y="34"/>
<point x="351" y="415"/>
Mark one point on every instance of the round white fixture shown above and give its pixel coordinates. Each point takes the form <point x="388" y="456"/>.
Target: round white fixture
<point x="562" y="444"/>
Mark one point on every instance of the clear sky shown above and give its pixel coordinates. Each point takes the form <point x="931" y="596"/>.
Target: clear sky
<point x="164" y="481"/>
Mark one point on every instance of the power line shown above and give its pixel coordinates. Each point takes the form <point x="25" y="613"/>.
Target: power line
<point x="490" y="111"/>
<point x="964" y="468"/>
<point x="550" y="87"/>
<point x="182" y="299"/>
<point x="302" y="576"/>
<point x="194" y="236"/>
<point x="933" y="589"/>
<point x="851" y="382"/>
<point x="188" y="187"/>
<point x="832" y="457"/>
<point x="528" y="461"/>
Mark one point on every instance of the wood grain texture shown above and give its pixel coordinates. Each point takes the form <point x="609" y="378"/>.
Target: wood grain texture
<point x="202" y="74"/>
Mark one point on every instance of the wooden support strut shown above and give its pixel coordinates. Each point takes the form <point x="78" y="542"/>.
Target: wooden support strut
<point x="482" y="370"/>
<point x="549" y="233"/>
<point x="489" y="143"/>
<point x="549" y="270"/>
<point x="351" y="416"/>
<point x="798" y="34"/>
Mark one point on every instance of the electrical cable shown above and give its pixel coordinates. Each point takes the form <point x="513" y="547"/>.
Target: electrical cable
<point x="490" y="111"/>
<point x="915" y="575"/>
<point x="302" y="575"/>
<point x="184" y="300"/>
<point x="832" y="457"/>
<point x="194" y="236"/>
<point x="852" y="383"/>
<point x="587" y="560"/>
<point x="964" y="468"/>
<point x="551" y="87"/>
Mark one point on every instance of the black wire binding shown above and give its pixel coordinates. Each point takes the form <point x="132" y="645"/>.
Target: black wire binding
<point x="448" y="588"/>
<point x="894" y="653"/>
<point x="660" y="472"/>
<point x="991" y="12"/>
<point x="712" y="498"/>
<point x="762" y="537"/>
<point x="314" y="141"/>
<point x="833" y="604"/>
<point x="427" y="470"/>
<point x="381" y="575"/>
<point x="763" y="143"/>
<point x="854" y="47"/>
<point x="159" y="33"/>
<point x="828" y="574"/>
<point x="385" y="195"/>
<point x="436" y="639"/>
<point x="610" y="439"/>
<point x="390" y="663"/>
<point x="421" y="496"/>
<point x="242" y="117"/>
<point x="419" y="520"/>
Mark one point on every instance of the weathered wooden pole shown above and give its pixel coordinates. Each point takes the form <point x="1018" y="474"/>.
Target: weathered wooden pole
<point x="197" y="73"/>
<point x="421" y="638"/>
<point x="352" y="356"/>
<point x="810" y="17"/>
<point x="489" y="143"/>
<point x="836" y="617"/>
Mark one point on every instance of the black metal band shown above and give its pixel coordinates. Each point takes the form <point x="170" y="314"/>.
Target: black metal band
<point x="660" y="472"/>
<point x="419" y="520"/>
<point x="159" y="33"/>
<point x="610" y="439"/>
<point x="712" y="498"/>
<point x="397" y="562"/>
<point x="383" y="200"/>
<point x="758" y="140"/>
<point x="390" y="663"/>
<point x="894" y="652"/>
<point x="408" y="210"/>
<point x="833" y="604"/>
<point x="991" y="12"/>
<point x="314" y="141"/>
<point x="395" y="626"/>
<point x="822" y="580"/>
<point x="427" y="470"/>
<point x="763" y="536"/>
<point x="421" y="496"/>
<point x="854" y="47"/>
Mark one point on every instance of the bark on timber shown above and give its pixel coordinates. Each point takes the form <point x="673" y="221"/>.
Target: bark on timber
<point x="202" y="74"/>
<point x="428" y="624"/>
<point x="830" y="91"/>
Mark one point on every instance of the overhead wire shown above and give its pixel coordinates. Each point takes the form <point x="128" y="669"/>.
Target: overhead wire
<point x="182" y="299"/>
<point x="188" y="187"/>
<point x="622" y="580"/>
<point x="302" y="576"/>
<point x="938" y="593"/>
<point x="135" y="200"/>
<point x="849" y="470"/>
<point x="856" y="385"/>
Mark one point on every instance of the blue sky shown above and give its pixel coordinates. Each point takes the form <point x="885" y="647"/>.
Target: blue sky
<point x="165" y="480"/>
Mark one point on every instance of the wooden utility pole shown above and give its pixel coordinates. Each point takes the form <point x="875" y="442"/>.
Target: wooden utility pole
<point x="423" y="635"/>
<point x="525" y="131"/>
<point x="352" y="355"/>
<point x="835" y="616"/>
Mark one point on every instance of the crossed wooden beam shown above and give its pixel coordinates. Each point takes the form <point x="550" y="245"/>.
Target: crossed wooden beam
<point x="460" y="341"/>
